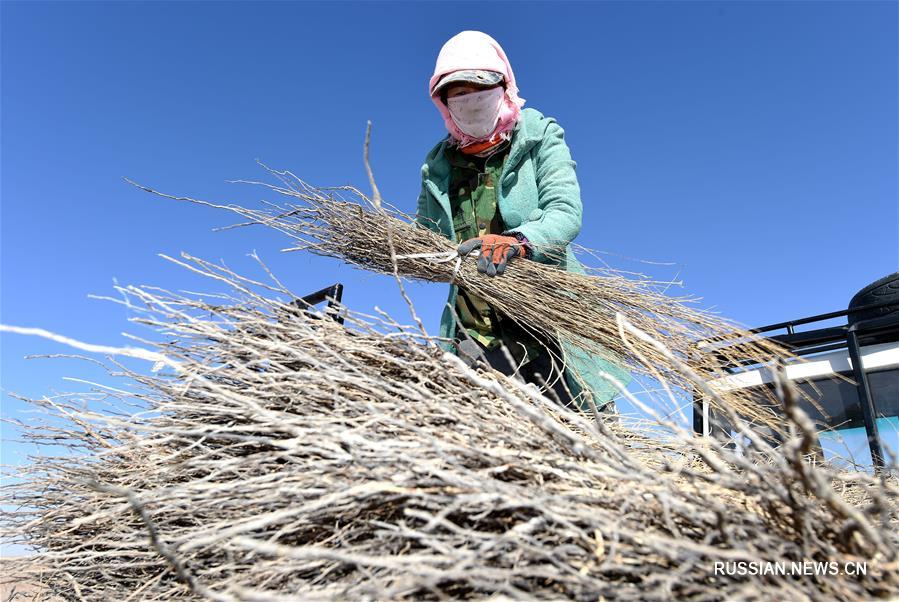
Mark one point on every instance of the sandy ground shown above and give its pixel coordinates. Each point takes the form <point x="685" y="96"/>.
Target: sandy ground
<point x="23" y="591"/>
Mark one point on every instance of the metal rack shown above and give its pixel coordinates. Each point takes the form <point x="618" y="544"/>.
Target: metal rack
<point x="851" y="337"/>
<point x="332" y="294"/>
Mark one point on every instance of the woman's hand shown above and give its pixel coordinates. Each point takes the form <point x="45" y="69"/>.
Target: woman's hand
<point x="496" y="251"/>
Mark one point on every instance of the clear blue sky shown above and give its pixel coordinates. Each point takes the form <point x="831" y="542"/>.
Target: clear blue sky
<point x="752" y="145"/>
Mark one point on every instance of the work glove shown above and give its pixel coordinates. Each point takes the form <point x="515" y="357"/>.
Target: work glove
<point x="496" y="251"/>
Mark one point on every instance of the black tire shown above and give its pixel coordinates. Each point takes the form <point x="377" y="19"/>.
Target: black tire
<point x="879" y="291"/>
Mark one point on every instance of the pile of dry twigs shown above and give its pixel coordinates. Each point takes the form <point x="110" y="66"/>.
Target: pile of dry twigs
<point x="277" y="455"/>
<point x="585" y="309"/>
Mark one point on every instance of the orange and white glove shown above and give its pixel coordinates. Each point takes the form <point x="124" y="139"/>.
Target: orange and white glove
<point x="496" y="251"/>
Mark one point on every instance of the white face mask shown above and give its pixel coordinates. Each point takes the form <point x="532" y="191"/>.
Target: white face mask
<point x="476" y="113"/>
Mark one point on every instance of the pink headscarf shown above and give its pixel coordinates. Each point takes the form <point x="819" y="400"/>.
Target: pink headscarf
<point x="477" y="50"/>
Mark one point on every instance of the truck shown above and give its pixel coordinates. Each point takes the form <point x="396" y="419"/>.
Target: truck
<point x="846" y="369"/>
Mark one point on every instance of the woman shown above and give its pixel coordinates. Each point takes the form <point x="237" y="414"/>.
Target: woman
<point x="503" y="182"/>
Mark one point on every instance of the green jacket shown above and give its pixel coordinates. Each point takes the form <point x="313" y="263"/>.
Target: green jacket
<point x="539" y="196"/>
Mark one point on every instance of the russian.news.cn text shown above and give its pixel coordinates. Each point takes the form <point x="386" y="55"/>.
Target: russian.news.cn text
<point x="742" y="568"/>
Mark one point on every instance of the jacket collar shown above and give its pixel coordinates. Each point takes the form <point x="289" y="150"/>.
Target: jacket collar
<point x="528" y="132"/>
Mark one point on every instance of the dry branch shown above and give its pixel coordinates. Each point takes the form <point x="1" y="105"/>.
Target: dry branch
<point x="578" y="308"/>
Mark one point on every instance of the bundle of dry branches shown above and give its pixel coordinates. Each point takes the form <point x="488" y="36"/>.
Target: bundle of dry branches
<point x="276" y="455"/>
<point x="582" y="309"/>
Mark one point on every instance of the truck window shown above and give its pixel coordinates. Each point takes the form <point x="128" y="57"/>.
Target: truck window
<point x="839" y="419"/>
